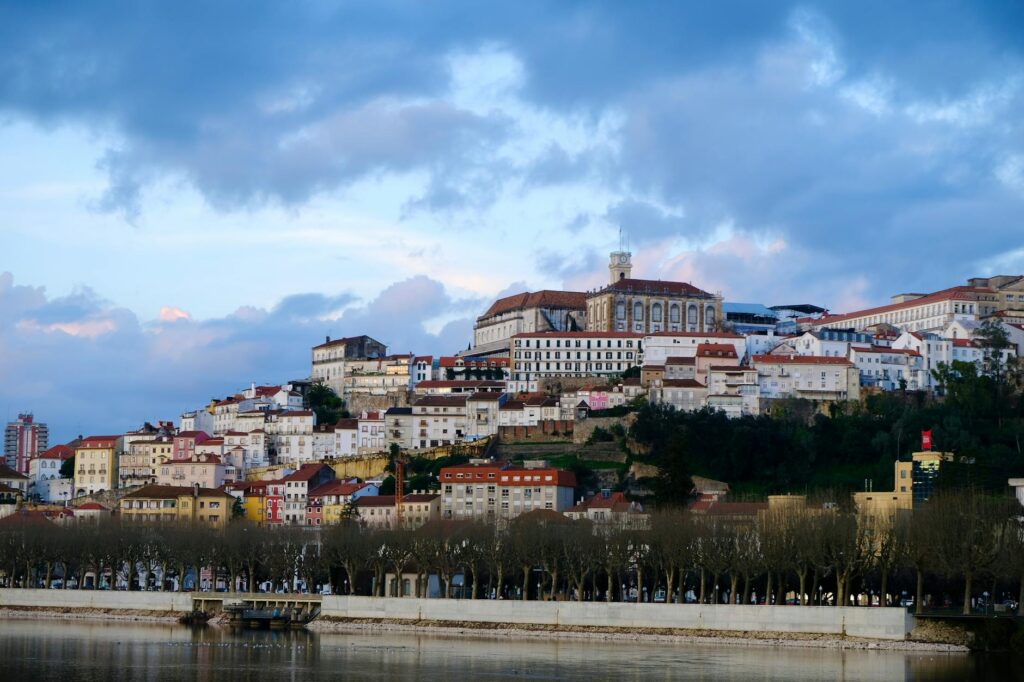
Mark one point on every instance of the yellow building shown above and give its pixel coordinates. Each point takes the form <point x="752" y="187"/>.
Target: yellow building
<point x="165" y="503"/>
<point x="254" y="499"/>
<point x="913" y="483"/>
<point x="96" y="462"/>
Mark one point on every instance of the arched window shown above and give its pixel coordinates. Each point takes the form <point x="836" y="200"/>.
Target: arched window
<point x="620" y="310"/>
<point x="656" y="312"/>
<point x="673" y="313"/>
<point x="709" y="317"/>
<point x="638" y="311"/>
<point x="691" y="315"/>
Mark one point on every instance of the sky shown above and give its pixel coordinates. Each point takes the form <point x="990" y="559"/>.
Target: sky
<point x="192" y="194"/>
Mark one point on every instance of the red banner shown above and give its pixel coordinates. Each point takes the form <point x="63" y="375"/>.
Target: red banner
<point x="926" y="440"/>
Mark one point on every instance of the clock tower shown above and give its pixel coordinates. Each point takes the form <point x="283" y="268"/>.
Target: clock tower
<point x="620" y="264"/>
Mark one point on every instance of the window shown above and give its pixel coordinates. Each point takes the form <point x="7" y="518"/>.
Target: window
<point x="656" y="312"/>
<point x="638" y="311"/>
<point x="691" y="315"/>
<point x="620" y="312"/>
<point x="709" y="317"/>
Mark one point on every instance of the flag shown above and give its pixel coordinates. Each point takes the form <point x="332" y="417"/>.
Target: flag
<point x="926" y="440"/>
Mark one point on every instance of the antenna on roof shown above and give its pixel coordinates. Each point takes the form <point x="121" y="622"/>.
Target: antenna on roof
<point x="620" y="237"/>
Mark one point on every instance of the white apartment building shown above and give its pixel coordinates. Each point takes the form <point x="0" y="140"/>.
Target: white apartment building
<point x="889" y="369"/>
<point x="684" y="395"/>
<point x="658" y="348"/>
<point x="439" y="420"/>
<point x="197" y="420"/>
<point x="250" y="449"/>
<point x="733" y="390"/>
<point x="539" y="356"/>
<point x="346" y="438"/>
<point x="482" y="414"/>
<point x="824" y="343"/>
<point x="529" y="411"/>
<point x="291" y="436"/>
<point x="495" y="492"/>
<point x="331" y="358"/>
<point x="803" y="376"/>
<point x="371" y="432"/>
<point x="918" y="312"/>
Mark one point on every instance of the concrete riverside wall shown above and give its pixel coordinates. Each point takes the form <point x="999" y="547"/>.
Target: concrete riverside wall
<point x="872" y="623"/>
<point x="96" y="599"/>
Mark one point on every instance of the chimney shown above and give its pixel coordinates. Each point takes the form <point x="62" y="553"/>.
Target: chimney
<point x="328" y="340"/>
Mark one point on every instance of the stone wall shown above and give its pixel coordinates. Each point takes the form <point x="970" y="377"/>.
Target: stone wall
<point x="96" y="599"/>
<point x="585" y="427"/>
<point x="873" y="623"/>
<point x="554" y="430"/>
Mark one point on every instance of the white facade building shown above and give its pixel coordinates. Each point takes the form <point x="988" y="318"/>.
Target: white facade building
<point x="539" y="356"/>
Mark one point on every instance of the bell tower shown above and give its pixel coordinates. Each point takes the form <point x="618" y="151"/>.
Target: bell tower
<point x="620" y="264"/>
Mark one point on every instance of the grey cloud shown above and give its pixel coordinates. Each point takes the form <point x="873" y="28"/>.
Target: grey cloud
<point x="80" y="376"/>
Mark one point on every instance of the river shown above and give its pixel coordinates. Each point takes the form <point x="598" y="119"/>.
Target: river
<point x="45" y="650"/>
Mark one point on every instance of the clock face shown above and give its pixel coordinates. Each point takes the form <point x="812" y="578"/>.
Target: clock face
<point x="623" y="258"/>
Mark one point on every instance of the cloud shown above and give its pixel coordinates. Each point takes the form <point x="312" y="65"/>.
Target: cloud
<point x="83" y="364"/>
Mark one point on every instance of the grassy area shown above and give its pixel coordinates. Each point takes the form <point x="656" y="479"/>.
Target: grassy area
<point x="527" y="444"/>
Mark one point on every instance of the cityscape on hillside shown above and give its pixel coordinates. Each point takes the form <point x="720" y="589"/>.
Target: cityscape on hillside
<point x="544" y="371"/>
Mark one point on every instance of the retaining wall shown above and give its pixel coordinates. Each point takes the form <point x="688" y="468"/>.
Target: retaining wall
<point x="96" y="599"/>
<point x="873" y="623"/>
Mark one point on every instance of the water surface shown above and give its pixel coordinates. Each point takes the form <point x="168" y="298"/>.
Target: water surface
<point x="45" y="650"/>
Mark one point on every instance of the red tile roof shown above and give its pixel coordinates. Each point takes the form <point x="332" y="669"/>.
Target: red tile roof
<point x="375" y="501"/>
<point x="653" y="286"/>
<point x="473" y="383"/>
<point x="343" y="488"/>
<point x="697" y="335"/>
<point x="798" y="360"/>
<point x="305" y="472"/>
<point x="442" y="401"/>
<point x="721" y="350"/>
<point x="98" y="442"/>
<point x="677" y="360"/>
<point x="579" y="335"/>
<point x="57" y="452"/>
<point x="169" y="491"/>
<point x="879" y="349"/>
<point x="959" y="293"/>
<point x="547" y="298"/>
<point x="682" y="383"/>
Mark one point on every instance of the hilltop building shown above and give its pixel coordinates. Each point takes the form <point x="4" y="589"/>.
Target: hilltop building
<point x="647" y="306"/>
<point x="538" y="311"/>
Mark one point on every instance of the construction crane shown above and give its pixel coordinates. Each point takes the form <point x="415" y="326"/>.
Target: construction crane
<point x="399" y="488"/>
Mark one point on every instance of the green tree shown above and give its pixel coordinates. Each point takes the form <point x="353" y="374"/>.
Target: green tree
<point x="326" y="404"/>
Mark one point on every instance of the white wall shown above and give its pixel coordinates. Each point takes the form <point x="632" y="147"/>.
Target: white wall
<point x="97" y="599"/>
<point x="874" y="623"/>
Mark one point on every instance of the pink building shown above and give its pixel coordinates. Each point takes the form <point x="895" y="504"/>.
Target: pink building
<point x="185" y="444"/>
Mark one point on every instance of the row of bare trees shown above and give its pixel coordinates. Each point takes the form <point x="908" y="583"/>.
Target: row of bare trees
<point x="801" y="555"/>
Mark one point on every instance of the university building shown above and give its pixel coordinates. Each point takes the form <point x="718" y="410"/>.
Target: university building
<point x="647" y="306"/>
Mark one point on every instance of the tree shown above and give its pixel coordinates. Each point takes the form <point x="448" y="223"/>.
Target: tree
<point x="67" y="467"/>
<point x="974" y="532"/>
<point x="326" y="404"/>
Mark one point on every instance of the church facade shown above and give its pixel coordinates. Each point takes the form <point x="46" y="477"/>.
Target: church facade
<point x="648" y="306"/>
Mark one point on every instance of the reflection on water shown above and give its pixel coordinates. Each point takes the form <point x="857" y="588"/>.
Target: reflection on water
<point x="41" y="650"/>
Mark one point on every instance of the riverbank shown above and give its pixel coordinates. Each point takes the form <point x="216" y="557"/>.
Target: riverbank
<point x="524" y="631"/>
<point x="469" y="629"/>
<point x="70" y="613"/>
